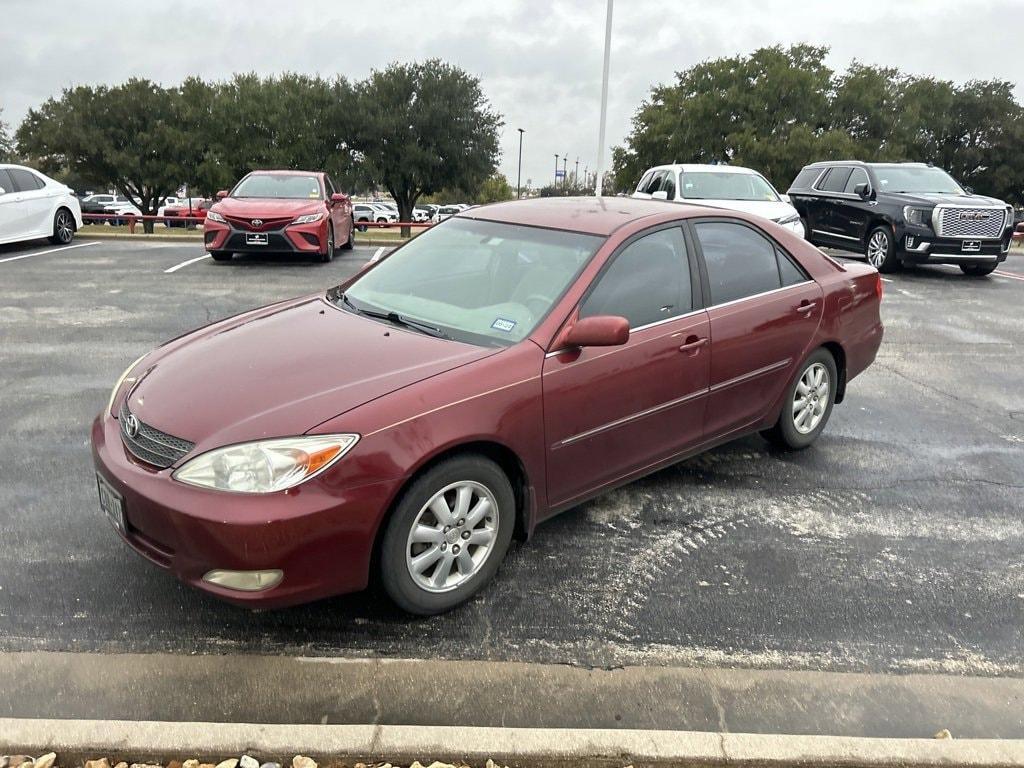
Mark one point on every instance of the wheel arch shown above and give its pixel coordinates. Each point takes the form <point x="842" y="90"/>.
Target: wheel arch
<point x="839" y="355"/>
<point x="500" y="454"/>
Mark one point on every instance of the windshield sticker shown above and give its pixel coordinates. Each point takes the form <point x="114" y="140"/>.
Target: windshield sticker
<point x="501" y="324"/>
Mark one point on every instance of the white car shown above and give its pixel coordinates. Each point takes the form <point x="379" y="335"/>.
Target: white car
<point x="33" y="205"/>
<point x="446" y="212"/>
<point x="721" y="186"/>
<point x="389" y="212"/>
<point x="420" y="214"/>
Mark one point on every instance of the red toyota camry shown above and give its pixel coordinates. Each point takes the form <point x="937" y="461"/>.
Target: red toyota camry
<point x="298" y="212"/>
<point x="496" y="370"/>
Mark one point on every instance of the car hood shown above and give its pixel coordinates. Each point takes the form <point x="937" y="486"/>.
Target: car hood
<point x="928" y="198"/>
<point x="281" y="371"/>
<point x="764" y="208"/>
<point x="266" y="207"/>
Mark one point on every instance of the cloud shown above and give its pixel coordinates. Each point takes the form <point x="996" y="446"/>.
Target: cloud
<point x="539" y="61"/>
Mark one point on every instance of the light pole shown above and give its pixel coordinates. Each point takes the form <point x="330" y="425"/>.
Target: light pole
<point x="604" y="99"/>
<point x="519" y="173"/>
<point x="565" y="177"/>
<point x="556" y="171"/>
<point x="576" y="174"/>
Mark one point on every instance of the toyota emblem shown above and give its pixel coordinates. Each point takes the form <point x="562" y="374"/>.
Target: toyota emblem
<point x="131" y="425"/>
<point x="257" y="222"/>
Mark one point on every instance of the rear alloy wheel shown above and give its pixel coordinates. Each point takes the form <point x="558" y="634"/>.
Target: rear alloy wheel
<point x="328" y="255"/>
<point x="808" y="403"/>
<point x="881" y="250"/>
<point x="63" y="227"/>
<point x="979" y="270"/>
<point x="448" y="535"/>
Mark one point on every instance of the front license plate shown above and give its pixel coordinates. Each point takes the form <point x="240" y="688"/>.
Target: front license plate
<point x="970" y="246"/>
<point x="111" y="502"/>
<point x="256" y="238"/>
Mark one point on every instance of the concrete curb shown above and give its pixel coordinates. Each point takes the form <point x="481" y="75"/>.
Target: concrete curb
<point x="528" y="747"/>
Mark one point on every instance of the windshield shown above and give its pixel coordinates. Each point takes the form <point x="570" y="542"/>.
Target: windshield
<point x="477" y="281"/>
<point x="283" y="186"/>
<point x="712" y="185"/>
<point x="915" y="179"/>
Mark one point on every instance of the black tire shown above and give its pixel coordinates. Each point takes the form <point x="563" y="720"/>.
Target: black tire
<point x="362" y="227"/>
<point x="786" y="433"/>
<point x="978" y="270"/>
<point x="349" y="242"/>
<point x="395" y="571"/>
<point x="328" y="255"/>
<point x="221" y="255"/>
<point x="63" y="227"/>
<point x="880" y="250"/>
<point x="807" y="229"/>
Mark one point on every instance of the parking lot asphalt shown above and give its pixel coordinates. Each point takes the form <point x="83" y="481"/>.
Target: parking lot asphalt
<point x="892" y="545"/>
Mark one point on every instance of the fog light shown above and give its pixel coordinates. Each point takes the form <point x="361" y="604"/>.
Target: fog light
<point x="245" y="581"/>
<point x="910" y="242"/>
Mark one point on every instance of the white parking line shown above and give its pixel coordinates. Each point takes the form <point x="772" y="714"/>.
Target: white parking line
<point x="378" y="253"/>
<point x="176" y="267"/>
<point x="886" y="279"/>
<point x="1011" y="275"/>
<point x="43" y="253"/>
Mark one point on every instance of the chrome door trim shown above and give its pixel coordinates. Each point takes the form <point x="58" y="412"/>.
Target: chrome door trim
<point x="834" y="234"/>
<point x="763" y="293"/>
<point x="750" y="375"/>
<point x="628" y="419"/>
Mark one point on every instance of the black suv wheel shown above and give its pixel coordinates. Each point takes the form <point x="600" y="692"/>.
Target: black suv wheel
<point x="880" y="250"/>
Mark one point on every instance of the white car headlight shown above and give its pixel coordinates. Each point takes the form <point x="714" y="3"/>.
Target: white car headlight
<point x="214" y="216"/>
<point x="309" y="218"/>
<point x="124" y="379"/>
<point x="265" y="466"/>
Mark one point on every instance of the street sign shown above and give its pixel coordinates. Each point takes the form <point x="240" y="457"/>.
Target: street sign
<point x="559" y="174"/>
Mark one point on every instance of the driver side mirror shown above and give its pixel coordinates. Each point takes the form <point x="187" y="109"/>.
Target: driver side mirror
<point x="661" y="194"/>
<point x="862" y="190"/>
<point x="597" y="331"/>
<point x="337" y="197"/>
<point x="969" y="190"/>
<point x="222" y="194"/>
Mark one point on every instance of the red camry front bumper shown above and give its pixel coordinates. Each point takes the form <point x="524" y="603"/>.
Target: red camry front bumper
<point x="320" y="535"/>
<point x="293" y="238"/>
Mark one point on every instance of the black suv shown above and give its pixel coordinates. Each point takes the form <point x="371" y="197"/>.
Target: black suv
<point x="901" y="213"/>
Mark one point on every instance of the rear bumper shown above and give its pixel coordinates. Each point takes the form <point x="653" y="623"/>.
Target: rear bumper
<point x="297" y="238"/>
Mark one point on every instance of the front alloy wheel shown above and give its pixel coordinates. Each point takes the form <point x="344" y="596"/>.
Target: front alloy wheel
<point x="447" y="535"/>
<point x="881" y="251"/>
<point x="328" y="254"/>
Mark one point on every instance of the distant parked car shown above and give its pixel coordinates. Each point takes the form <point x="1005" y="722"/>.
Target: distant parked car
<point x="902" y="213"/>
<point x="723" y="186"/>
<point x="446" y="212"/>
<point x="294" y="212"/>
<point x="420" y="214"/>
<point x="33" y="205"/>
<point x="108" y="204"/>
<point x="188" y="210"/>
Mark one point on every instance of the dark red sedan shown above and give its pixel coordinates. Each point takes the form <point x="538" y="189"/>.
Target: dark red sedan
<point x="298" y="212"/>
<point x="500" y="368"/>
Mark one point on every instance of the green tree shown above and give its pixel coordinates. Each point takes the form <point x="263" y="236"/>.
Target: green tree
<point x="420" y="128"/>
<point x="494" y="189"/>
<point x="130" y="136"/>
<point x="6" y="141"/>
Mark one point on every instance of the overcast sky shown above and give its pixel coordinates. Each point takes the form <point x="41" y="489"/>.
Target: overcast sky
<point x="539" y="60"/>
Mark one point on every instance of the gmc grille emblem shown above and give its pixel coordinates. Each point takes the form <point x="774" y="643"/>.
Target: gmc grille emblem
<point x="974" y="215"/>
<point x="257" y="222"/>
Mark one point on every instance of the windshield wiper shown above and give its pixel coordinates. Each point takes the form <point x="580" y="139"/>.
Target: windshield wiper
<point x="396" y="319"/>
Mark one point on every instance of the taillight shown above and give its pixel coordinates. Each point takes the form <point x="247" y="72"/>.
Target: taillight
<point x="878" y="286"/>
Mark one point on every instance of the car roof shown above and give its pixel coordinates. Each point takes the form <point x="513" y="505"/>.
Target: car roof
<point x="826" y="163"/>
<point x="284" y="173"/>
<point x="695" y="167"/>
<point x="589" y="215"/>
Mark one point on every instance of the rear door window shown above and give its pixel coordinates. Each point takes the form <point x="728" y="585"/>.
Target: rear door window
<point x="740" y="262"/>
<point x="25" y="181"/>
<point x="836" y="180"/>
<point x="805" y="178"/>
<point x="6" y="184"/>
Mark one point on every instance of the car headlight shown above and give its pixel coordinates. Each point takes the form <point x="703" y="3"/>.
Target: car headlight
<point x="919" y="217"/>
<point x="309" y="218"/>
<point x="124" y="379"/>
<point x="786" y="220"/>
<point x="214" y="216"/>
<point x="1009" y="216"/>
<point x="265" y="466"/>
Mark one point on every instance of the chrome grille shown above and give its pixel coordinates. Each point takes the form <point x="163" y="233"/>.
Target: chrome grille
<point x="151" y="445"/>
<point x="983" y="223"/>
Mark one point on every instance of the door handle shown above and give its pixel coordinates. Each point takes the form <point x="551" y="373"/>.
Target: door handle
<point x="807" y="306"/>
<point x="693" y="344"/>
